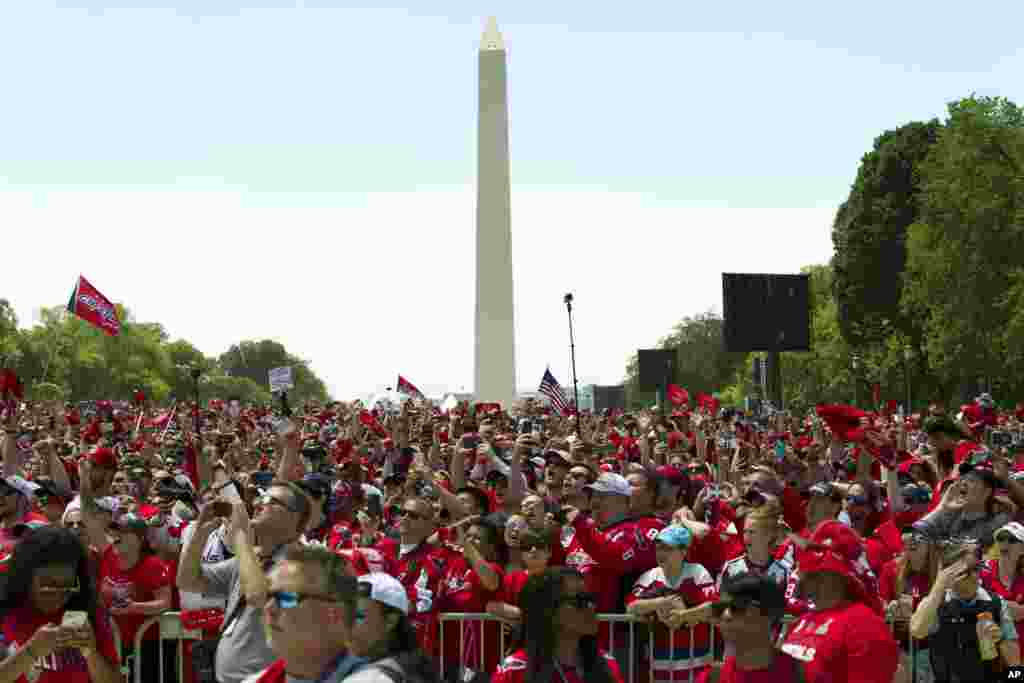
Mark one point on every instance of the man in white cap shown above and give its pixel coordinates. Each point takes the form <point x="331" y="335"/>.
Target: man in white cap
<point x="619" y="545"/>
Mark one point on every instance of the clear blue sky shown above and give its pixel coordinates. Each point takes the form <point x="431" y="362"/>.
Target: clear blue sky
<point x="333" y="145"/>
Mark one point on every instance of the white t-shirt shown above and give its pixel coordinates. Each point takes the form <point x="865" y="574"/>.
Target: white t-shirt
<point x="215" y="551"/>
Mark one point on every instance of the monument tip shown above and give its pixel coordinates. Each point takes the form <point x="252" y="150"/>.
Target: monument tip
<point x="492" y="39"/>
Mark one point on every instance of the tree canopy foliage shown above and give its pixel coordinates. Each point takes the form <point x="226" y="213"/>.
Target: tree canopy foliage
<point x="926" y="283"/>
<point x="64" y="357"/>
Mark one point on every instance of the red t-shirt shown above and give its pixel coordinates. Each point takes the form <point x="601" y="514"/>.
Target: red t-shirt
<point x="461" y="591"/>
<point x="118" y="587"/>
<point x="511" y="586"/>
<point x="782" y="670"/>
<point x="62" y="666"/>
<point x="849" y="643"/>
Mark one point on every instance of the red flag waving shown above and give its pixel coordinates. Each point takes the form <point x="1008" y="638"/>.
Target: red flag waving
<point x="88" y="304"/>
<point x="408" y="388"/>
<point x="678" y="395"/>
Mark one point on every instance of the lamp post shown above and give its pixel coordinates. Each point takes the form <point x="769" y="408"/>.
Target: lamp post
<point x="908" y="355"/>
<point x="572" y="354"/>
<point x="855" y="360"/>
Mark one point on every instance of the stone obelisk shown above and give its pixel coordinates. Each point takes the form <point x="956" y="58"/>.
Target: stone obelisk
<point x="495" y="364"/>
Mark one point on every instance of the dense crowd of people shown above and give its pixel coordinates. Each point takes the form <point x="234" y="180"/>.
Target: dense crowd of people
<point x="346" y="542"/>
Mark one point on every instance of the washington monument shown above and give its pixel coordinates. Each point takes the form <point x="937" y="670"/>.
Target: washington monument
<point x="495" y="354"/>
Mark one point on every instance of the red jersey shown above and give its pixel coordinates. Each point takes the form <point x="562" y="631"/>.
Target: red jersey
<point x="513" y="670"/>
<point x="420" y="570"/>
<point x="618" y="551"/>
<point x="845" y="644"/>
<point x="119" y="587"/>
<point x="783" y="669"/>
<point x="62" y="666"/>
<point x="677" y="652"/>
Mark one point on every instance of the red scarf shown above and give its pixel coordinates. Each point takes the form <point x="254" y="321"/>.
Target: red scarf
<point x="275" y="673"/>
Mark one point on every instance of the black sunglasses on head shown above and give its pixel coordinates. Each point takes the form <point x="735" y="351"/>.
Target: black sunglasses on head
<point x="580" y="601"/>
<point x="738" y="603"/>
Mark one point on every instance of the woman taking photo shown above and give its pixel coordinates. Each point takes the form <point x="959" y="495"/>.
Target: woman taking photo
<point x="560" y="630"/>
<point x="135" y="585"/>
<point x="905" y="581"/>
<point x="51" y="628"/>
<point x="383" y="635"/>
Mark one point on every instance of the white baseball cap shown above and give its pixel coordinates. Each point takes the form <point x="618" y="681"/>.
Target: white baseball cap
<point x="611" y="484"/>
<point x="386" y="590"/>
<point x="1015" y="529"/>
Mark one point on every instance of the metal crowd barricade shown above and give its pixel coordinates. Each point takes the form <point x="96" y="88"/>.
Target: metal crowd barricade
<point x="908" y="659"/>
<point x="170" y="628"/>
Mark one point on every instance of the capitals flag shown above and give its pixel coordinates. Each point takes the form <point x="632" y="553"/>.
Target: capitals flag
<point x="408" y="388"/>
<point x="88" y="304"/>
<point x="549" y="387"/>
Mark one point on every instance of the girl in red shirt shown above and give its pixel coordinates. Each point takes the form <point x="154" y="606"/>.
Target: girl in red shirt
<point x="471" y="581"/>
<point x="48" y="577"/>
<point x="135" y="584"/>
<point x="560" y="624"/>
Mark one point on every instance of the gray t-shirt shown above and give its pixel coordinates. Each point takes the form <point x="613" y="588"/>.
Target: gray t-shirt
<point x="242" y="650"/>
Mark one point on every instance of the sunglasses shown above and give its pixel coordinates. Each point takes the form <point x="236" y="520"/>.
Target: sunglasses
<point x="1008" y="539"/>
<point x="63" y="589"/>
<point x="580" y="601"/>
<point x="857" y="500"/>
<point x="266" y="499"/>
<point x="292" y="599"/>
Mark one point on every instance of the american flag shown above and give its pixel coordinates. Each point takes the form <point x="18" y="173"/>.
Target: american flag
<point x="549" y="387"/>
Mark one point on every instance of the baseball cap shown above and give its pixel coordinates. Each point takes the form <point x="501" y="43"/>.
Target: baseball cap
<point x="385" y="589"/>
<point x="671" y="475"/>
<point x="677" y="536"/>
<point x="824" y="488"/>
<point x="610" y="484"/>
<point x="19" y="485"/>
<point x="554" y="456"/>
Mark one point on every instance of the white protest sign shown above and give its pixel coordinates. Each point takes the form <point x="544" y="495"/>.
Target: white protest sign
<point x="280" y="379"/>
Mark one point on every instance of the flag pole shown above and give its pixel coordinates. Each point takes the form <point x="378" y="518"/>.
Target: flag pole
<point x="172" y="416"/>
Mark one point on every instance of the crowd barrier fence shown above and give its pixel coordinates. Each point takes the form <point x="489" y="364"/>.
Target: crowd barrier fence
<point x="170" y="629"/>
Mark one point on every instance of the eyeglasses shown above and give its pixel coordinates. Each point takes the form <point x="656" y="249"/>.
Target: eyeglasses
<point x="292" y="599"/>
<point x="63" y="589"/>
<point x="580" y="601"/>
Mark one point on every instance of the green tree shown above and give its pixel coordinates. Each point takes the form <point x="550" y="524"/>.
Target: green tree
<point x="869" y="235"/>
<point x="702" y="364"/>
<point x="255" y="359"/>
<point x="965" y="257"/>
